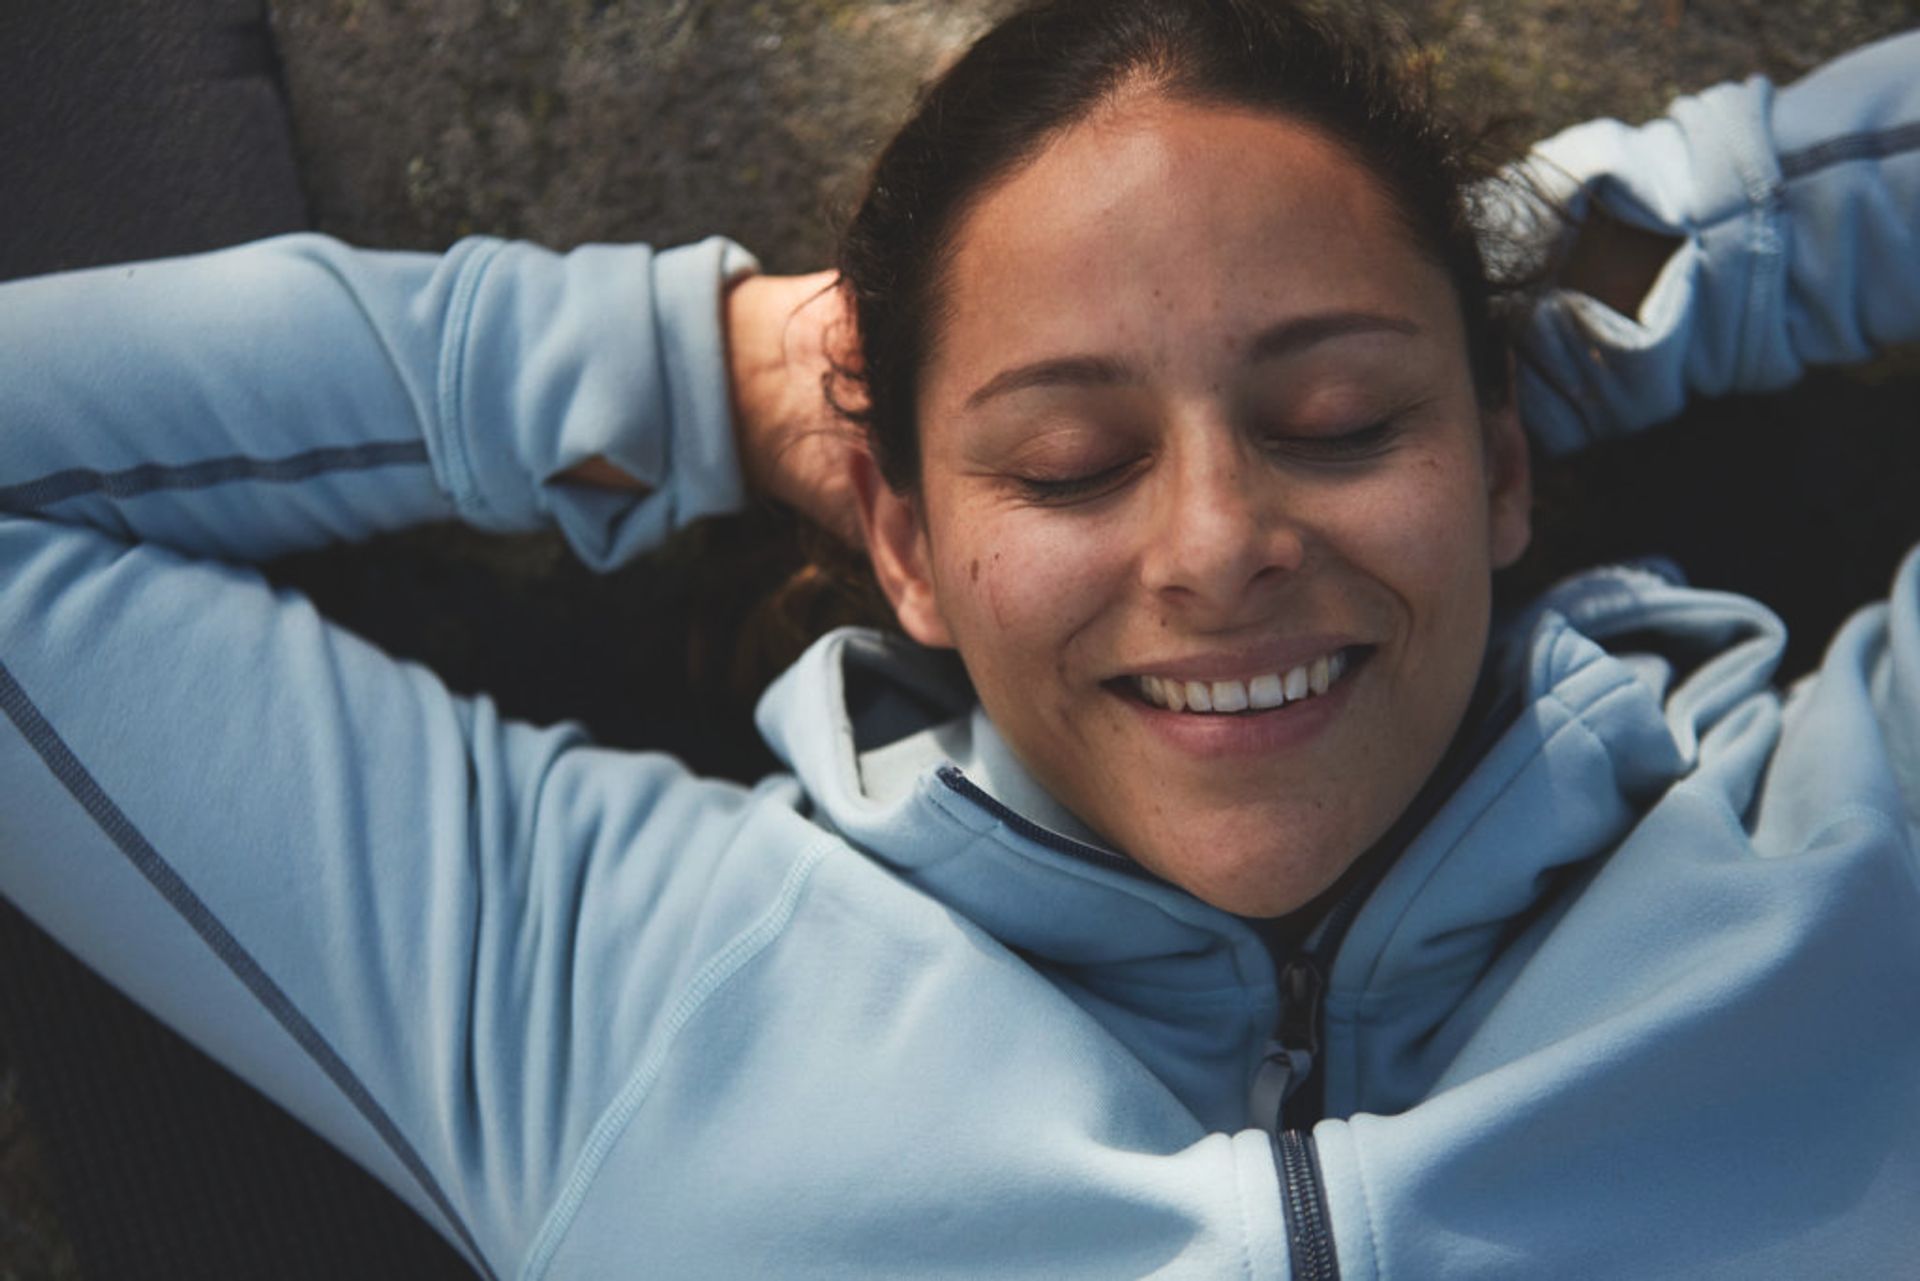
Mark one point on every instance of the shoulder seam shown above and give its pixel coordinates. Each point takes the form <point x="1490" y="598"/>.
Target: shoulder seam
<point x="119" y="829"/>
<point x="1878" y="144"/>
<point x="148" y="478"/>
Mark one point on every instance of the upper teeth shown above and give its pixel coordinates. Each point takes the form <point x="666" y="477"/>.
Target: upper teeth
<point x="1260" y="693"/>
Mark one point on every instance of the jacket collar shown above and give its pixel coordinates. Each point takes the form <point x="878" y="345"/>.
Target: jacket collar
<point x="1616" y="677"/>
<point x="1186" y="988"/>
<point x="1589" y="738"/>
<point x="1036" y="881"/>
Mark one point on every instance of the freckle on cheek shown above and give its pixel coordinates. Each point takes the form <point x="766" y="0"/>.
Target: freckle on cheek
<point x="973" y="571"/>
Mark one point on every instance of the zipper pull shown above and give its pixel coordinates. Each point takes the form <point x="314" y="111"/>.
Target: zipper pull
<point x="1291" y="1054"/>
<point x="1274" y="1081"/>
<point x="1301" y="987"/>
<point x="1295" y="1045"/>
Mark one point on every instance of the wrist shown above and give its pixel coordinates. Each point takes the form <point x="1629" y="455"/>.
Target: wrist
<point x="753" y="325"/>
<point x="776" y="335"/>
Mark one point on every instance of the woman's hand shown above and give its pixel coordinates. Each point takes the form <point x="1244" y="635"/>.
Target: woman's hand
<point x="785" y="335"/>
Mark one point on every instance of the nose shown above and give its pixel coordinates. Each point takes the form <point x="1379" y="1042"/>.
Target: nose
<point x="1222" y="530"/>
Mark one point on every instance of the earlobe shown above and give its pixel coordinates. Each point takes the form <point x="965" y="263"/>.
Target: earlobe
<point x="897" y="544"/>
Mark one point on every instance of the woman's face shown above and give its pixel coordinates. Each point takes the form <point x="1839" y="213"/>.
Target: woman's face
<point x="1198" y="434"/>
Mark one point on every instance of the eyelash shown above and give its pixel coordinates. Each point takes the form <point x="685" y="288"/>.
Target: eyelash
<point x="1353" y="446"/>
<point x="1073" y="487"/>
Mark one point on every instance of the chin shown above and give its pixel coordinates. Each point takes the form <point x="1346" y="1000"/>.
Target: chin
<point x="1254" y="878"/>
<point x="1258" y="900"/>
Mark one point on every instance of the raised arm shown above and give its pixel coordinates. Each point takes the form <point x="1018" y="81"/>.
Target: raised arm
<point x="293" y="392"/>
<point x="1768" y="230"/>
<point x="441" y="939"/>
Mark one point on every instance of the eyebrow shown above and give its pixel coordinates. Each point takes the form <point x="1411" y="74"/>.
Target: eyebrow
<point x="1063" y="371"/>
<point x="1293" y="335"/>
<point x="1271" y="343"/>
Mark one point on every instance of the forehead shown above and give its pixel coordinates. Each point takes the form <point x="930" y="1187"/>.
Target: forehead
<point x="1164" y="218"/>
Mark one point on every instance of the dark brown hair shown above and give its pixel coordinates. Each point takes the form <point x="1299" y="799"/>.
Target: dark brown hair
<point x="1348" y="71"/>
<point x="1345" y="72"/>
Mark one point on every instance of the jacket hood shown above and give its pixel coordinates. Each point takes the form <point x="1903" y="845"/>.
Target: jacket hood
<point x="1613" y="686"/>
<point x="1184" y="987"/>
<point x="1623" y="682"/>
<point x="1048" y="892"/>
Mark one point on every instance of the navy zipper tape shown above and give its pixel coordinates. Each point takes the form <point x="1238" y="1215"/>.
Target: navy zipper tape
<point x="1306" y="1102"/>
<point x="1326" y="940"/>
<point x="147" y="478"/>
<point x="1303" y="1197"/>
<point x="118" y="828"/>
<point x="959" y="783"/>
<point x="1323" y="942"/>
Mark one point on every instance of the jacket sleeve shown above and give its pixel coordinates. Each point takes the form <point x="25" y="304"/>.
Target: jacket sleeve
<point x="294" y="392"/>
<point x="439" y="938"/>
<point x="1798" y="212"/>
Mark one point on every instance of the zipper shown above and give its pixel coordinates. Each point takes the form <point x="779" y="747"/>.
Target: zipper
<point x="1291" y="1057"/>
<point x="1309" y="1234"/>
<point x="1303" y="988"/>
<point x="1289" y="1093"/>
<point x="1289" y="1090"/>
<point x="1026" y="827"/>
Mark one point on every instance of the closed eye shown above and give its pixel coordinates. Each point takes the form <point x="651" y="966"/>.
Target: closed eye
<point x="1366" y="443"/>
<point x="1360" y="445"/>
<point x="1069" y="489"/>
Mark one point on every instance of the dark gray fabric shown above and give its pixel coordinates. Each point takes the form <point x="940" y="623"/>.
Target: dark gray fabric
<point x="138" y="128"/>
<point x="167" y="1168"/>
<point x="135" y="129"/>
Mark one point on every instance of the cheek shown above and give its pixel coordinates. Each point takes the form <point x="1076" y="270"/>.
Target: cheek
<point x="1424" y="535"/>
<point x="1018" y="588"/>
<point x="1453" y="573"/>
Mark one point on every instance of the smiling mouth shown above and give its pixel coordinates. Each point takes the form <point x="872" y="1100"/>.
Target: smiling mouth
<point x="1264" y="693"/>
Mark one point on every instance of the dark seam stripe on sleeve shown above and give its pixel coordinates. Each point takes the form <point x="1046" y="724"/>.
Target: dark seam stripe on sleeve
<point x="149" y="477"/>
<point x="1857" y="146"/>
<point x="82" y="786"/>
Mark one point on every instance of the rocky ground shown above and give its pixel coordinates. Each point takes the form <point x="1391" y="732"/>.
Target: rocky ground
<point x="573" y="120"/>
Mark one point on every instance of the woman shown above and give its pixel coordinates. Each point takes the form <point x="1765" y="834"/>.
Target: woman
<point x="1274" y="912"/>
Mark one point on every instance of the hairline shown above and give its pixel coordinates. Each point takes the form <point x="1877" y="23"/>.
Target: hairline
<point x="1142" y="83"/>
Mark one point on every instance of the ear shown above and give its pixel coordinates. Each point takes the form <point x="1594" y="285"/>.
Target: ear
<point x="1509" y="482"/>
<point x="902" y="560"/>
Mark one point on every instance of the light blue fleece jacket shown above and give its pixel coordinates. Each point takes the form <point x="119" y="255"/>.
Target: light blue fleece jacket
<point x="1640" y="998"/>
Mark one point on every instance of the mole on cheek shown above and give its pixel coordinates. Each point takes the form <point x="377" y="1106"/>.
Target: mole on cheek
<point x="973" y="570"/>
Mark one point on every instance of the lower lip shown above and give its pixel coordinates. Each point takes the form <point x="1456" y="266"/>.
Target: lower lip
<point x="1279" y="729"/>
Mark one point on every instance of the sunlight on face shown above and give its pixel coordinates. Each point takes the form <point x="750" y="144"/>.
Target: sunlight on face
<point x="1200" y="429"/>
